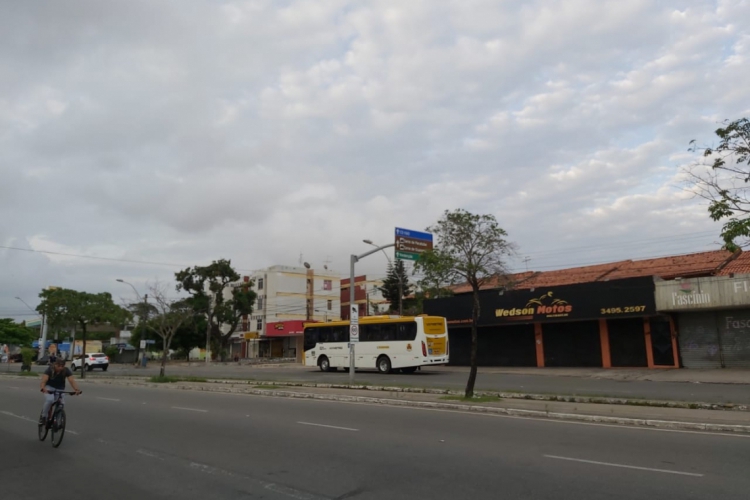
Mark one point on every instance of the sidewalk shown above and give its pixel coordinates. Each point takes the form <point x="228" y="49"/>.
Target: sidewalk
<point x="704" y="376"/>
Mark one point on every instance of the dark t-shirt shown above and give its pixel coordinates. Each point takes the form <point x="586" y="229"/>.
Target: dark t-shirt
<point x="57" y="380"/>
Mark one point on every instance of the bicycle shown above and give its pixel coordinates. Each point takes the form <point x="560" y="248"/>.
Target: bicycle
<point x="55" y="419"/>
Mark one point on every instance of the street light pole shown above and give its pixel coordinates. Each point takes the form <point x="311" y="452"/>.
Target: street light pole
<point x="145" y="319"/>
<point x="353" y="309"/>
<point x="398" y="275"/>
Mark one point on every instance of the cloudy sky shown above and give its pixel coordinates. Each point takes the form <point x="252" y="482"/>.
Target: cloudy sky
<point x="162" y="134"/>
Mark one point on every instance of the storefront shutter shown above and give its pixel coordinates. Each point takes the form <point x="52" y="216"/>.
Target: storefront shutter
<point x="734" y="328"/>
<point x="699" y="340"/>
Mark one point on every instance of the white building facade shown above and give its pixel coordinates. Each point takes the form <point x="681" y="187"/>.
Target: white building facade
<point x="286" y="294"/>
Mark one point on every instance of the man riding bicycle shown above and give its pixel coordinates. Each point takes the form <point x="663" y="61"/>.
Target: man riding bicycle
<point x="54" y="380"/>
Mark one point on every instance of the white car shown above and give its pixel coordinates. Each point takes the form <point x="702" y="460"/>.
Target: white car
<point x="93" y="360"/>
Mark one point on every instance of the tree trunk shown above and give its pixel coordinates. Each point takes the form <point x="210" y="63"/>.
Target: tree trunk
<point x="223" y="347"/>
<point x="83" y="350"/>
<point x="474" y="341"/>
<point x="208" y="341"/>
<point x="165" y="349"/>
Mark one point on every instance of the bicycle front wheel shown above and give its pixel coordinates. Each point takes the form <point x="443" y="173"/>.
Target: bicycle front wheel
<point x="42" y="432"/>
<point x="58" y="428"/>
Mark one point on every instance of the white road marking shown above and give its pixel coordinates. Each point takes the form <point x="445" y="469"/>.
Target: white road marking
<point x="19" y="416"/>
<point x="107" y="399"/>
<point x="189" y="409"/>
<point x="149" y="454"/>
<point x="329" y="426"/>
<point x="27" y="419"/>
<point x="649" y="469"/>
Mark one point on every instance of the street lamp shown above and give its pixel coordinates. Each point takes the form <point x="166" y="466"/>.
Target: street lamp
<point x="398" y="274"/>
<point x="325" y="312"/>
<point x="353" y="310"/>
<point x="145" y="319"/>
<point x="43" y="342"/>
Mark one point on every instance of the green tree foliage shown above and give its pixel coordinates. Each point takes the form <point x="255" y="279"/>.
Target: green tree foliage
<point x="396" y="286"/>
<point x="216" y="293"/>
<point x="70" y="307"/>
<point x="469" y="249"/>
<point x="191" y="334"/>
<point x="13" y="333"/>
<point x="725" y="184"/>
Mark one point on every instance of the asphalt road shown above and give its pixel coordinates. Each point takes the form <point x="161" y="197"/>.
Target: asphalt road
<point x="157" y="443"/>
<point x="455" y="378"/>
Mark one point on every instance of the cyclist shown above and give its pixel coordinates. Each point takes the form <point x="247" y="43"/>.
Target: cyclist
<point x="54" y="379"/>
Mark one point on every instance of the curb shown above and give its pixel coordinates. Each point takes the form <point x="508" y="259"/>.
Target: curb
<point x="511" y="412"/>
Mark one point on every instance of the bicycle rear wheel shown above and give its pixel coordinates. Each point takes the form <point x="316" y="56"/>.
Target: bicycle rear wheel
<point x="58" y="428"/>
<point x="42" y="432"/>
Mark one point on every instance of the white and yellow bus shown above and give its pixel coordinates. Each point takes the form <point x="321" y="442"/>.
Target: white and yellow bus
<point x="386" y="343"/>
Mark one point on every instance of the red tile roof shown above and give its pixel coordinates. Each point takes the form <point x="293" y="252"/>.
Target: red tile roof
<point x="697" y="264"/>
<point x="570" y="276"/>
<point x="703" y="264"/>
<point x="740" y="265"/>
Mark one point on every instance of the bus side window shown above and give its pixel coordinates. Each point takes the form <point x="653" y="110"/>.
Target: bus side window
<point x="406" y="331"/>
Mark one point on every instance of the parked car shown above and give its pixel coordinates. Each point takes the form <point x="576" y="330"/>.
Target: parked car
<point x="92" y="360"/>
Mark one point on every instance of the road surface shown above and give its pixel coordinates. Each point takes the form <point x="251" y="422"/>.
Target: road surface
<point x="455" y="378"/>
<point x="132" y="442"/>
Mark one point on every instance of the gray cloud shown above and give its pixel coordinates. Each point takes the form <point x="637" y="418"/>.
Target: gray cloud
<point x="184" y="132"/>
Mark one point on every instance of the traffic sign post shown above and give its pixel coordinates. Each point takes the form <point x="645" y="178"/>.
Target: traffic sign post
<point x="411" y="244"/>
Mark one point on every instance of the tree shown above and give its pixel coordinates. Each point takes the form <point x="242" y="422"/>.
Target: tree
<point x="396" y="286"/>
<point x="216" y="293"/>
<point x="69" y="307"/>
<point x="170" y="316"/>
<point x="191" y="334"/>
<point x="469" y="249"/>
<point x="13" y="333"/>
<point x="724" y="184"/>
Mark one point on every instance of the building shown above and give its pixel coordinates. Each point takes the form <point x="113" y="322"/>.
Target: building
<point x="607" y="315"/>
<point x="711" y="316"/>
<point x="285" y="294"/>
<point x="367" y="296"/>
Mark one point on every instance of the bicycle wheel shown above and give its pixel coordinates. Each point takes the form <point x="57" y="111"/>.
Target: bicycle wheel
<point x="58" y="428"/>
<point x="42" y="432"/>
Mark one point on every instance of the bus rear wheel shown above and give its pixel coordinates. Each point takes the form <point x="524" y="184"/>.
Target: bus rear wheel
<point x="384" y="364"/>
<point x="324" y="364"/>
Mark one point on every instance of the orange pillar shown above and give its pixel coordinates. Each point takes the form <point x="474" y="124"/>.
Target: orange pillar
<point x="604" y="337"/>
<point x="539" y="345"/>
<point x="647" y="335"/>
<point x="675" y="351"/>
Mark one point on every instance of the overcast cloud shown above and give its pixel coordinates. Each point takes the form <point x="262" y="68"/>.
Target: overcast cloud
<point x="184" y="131"/>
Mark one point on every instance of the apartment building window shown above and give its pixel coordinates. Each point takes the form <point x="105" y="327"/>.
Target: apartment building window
<point x="260" y="302"/>
<point x="260" y="326"/>
<point x="327" y="285"/>
<point x="260" y="283"/>
<point x="330" y="305"/>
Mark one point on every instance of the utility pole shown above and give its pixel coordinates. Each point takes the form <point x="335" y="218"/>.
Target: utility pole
<point x="353" y="309"/>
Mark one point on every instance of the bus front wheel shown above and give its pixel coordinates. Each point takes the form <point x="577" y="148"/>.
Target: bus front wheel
<point x="384" y="364"/>
<point x="324" y="364"/>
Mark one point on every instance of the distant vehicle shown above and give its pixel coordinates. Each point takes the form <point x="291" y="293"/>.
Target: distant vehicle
<point x="386" y="343"/>
<point x="92" y="360"/>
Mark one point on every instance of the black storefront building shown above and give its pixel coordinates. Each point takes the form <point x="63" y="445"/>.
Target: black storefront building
<point x="599" y="324"/>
